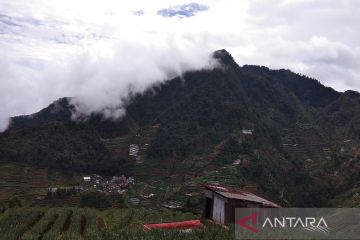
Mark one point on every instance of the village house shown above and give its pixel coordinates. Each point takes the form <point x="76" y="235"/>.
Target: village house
<point x="87" y="179"/>
<point x="221" y="203"/>
<point x="247" y="131"/>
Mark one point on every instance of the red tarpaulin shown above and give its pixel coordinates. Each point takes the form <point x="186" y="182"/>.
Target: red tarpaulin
<point x="174" y="225"/>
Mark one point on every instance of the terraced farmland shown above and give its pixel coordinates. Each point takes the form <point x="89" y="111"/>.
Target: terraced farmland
<point x="47" y="223"/>
<point x="22" y="180"/>
<point x="81" y="223"/>
<point x="30" y="184"/>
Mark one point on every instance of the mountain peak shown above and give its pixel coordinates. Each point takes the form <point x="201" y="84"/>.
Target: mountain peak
<point x="351" y="93"/>
<point x="223" y="56"/>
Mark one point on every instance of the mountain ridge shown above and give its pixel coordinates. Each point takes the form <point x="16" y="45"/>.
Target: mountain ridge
<point x="200" y="122"/>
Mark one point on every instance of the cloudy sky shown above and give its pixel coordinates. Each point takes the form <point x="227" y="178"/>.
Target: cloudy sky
<point x="99" y="50"/>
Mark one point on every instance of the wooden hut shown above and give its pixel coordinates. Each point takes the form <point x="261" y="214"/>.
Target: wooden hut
<point x="221" y="203"/>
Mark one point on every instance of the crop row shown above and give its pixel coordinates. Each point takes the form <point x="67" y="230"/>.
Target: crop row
<point x="82" y="224"/>
<point x="16" y="222"/>
<point x="82" y="221"/>
<point x="60" y="225"/>
<point x="47" y="223"/>
<point x="41" y="226"/>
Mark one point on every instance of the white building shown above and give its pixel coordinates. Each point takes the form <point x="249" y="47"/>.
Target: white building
<point x="247" y="131"/>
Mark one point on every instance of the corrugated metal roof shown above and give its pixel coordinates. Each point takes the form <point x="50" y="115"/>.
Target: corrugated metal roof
<point x="239" y="194"/>
<point x="248" y="197"/>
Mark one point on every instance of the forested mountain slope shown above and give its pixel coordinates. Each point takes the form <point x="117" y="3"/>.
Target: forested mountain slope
<point x="294" y="137"/>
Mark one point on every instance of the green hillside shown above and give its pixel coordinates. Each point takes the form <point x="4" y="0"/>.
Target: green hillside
<point x="273" y="132"/>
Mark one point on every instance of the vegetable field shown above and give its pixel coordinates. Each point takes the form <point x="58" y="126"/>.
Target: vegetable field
<point x="47" y="223"/>
<point x="83" y="223"/>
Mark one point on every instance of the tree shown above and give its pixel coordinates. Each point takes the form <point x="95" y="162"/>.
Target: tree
<point x="95" y="200"/>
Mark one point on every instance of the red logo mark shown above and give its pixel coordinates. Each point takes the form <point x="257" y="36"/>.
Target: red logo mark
<point x="253" y="218"/>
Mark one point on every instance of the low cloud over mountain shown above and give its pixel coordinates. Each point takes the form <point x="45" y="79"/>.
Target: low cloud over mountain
<point x="99" y="51"/>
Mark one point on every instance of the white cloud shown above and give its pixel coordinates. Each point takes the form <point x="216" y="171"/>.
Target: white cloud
<point x="96" y="50"/>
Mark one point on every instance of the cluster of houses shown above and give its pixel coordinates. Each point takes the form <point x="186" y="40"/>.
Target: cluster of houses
<point x="134" y="151"/>
<point x="117" y="184"/>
